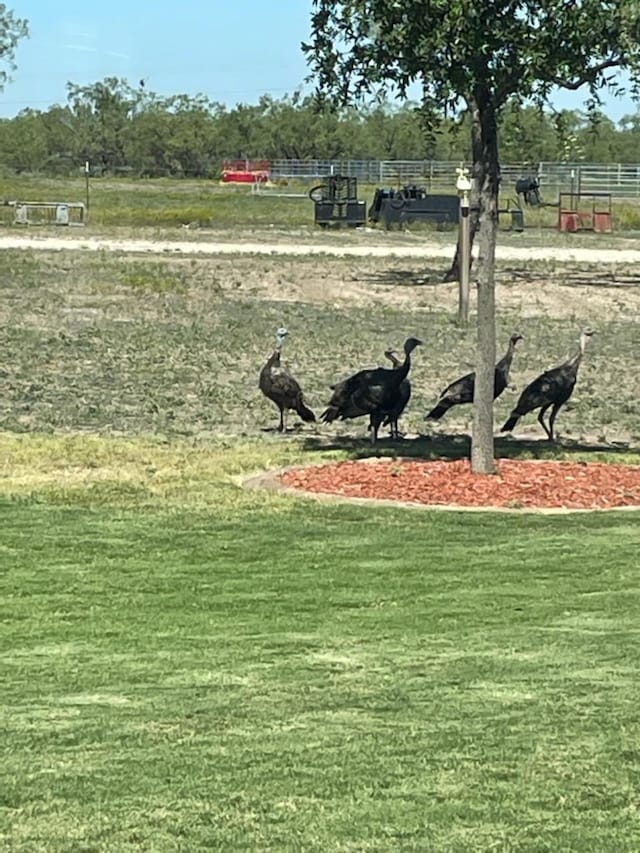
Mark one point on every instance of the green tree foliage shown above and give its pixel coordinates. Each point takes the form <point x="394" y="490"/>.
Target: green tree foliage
<point x="12" y="29"/>
<point x="100" y="115"/>
<point x="121" y="128"/>
<point x="24" y="142"/>
<point x="527" y="134"/>
<point x="476" y="57"/>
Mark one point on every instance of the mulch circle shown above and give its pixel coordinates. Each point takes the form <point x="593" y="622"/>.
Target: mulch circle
<point x="518" y="484"/>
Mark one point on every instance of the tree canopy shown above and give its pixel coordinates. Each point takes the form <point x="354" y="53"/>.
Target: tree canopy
<point x="477" y="57"/>
<point x="120" y="127"/>
<point x="12" y="29"/>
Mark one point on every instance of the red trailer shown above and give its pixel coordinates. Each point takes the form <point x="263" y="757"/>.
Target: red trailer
<point x="245" y="171"/>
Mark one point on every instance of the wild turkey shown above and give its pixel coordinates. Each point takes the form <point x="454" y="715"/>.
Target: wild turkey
<point x="374" y="392"/>
<point x="461" y="391"/>
<point x="391" y="420"/>
<point x="277" y="383"/>
<point x="551" y="390"/>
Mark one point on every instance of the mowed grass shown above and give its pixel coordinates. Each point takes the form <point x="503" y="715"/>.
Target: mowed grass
<point x="188" y="665"/>
<point x="191" y="666"/>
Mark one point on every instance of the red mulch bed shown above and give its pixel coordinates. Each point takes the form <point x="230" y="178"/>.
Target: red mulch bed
<point x="518" y="484"/>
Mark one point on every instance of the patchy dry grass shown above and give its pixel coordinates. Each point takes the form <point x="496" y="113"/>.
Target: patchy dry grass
<point x="146" y="472"/>
<point x="173" y="346"/>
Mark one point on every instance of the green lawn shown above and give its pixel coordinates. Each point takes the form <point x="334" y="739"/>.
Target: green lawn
<point x="189" y="666"/>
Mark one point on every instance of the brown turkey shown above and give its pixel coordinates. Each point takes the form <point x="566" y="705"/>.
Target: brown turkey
<point x="462" y="390"/>
<point x="277" y="383"/>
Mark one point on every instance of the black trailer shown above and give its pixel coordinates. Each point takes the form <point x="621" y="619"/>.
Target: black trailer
<point x="336" y="202"/>
<point x="413" y="204"/>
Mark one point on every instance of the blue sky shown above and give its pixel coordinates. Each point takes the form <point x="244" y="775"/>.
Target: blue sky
<point x="231" y="51"/>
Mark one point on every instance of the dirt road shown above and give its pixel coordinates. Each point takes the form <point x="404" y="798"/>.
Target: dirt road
<point x="212" y="247"/>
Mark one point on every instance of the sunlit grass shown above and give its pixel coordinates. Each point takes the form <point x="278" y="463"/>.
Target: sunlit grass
<point x="187" y="665"/>
<point x="144" y="472"/>
<point x="170" y="204"/>
<point x="155" y="473"/>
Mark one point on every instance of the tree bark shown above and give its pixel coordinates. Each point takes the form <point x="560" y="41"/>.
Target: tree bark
<point x="482" y="445"/>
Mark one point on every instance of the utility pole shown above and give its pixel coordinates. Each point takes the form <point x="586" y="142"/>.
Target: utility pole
<point x="463" y="185"/>
<point x="86" y="178"/>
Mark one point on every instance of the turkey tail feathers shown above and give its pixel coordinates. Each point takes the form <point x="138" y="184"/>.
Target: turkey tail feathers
<point x="509" y="425"/>
<point x="304" y="411"/>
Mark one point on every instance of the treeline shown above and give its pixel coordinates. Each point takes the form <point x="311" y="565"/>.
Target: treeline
<point x="122" y="129"/>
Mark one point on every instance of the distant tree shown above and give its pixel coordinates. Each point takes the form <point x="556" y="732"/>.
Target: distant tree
<point x="568" y="126"/>
<point x="629" y="135"/>
<point x="527" y="134"/>
<point x="473" y="56"/>
<point x="599" y="139"/>
<point x="393" y="134"/>
<point x="23" y="142"/>
<point x="147" y="146"/>
<point x="243" y="128"/>
<point x="12" y="29"/>
<point x="101" y="116"/>
<point x="195" y="143"/>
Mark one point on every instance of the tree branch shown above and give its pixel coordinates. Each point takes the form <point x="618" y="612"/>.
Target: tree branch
<point x="590" y="75"/>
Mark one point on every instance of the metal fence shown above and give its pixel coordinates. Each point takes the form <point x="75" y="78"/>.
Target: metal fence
<point x="622" y="180"/>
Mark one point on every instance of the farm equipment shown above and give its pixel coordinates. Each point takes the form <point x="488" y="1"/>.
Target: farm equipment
<point x="527" y="194"/>
<point x="245" y="171"/>
<point x="336" y="202"/>
<point x="528" y="191"/>
<point x="585" y="212"/>
<point x="577" y="211"/>
<point x="47" y="212"/>
<point x="413" y="203"/>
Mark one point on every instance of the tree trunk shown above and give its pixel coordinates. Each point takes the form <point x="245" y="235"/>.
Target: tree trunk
<point x="453" y="273"/>
<point x="482" y="447"/>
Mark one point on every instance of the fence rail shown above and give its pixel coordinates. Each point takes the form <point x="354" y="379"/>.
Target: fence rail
<point x="622" y="180"/>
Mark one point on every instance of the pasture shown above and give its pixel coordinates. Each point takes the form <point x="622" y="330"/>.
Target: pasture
<point x="188" y="665"/>
<point x="160" y="205"/>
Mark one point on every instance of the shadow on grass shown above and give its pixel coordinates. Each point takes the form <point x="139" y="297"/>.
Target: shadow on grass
<point x="458" y="446"/>
<point x="394" y="277"/>
<point x="575" y="278"/>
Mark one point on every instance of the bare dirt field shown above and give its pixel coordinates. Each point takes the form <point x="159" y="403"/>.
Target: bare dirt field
<point x="603" y="280"/>
<point x="155" y="336"/>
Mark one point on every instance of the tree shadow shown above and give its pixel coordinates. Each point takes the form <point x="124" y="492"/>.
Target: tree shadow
<point x="394" y="277"/>
<point x="419" y="447"/>
<point x="458" y="446"/>
<point x="292" y="429"/>
<point x="575" y="278"/>
<point x="432" y="276"/>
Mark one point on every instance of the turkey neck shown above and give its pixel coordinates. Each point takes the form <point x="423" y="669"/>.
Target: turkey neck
<point x="507" y="358"/>
<point x="575" y="361"/>
<point x="403" y="371"/>
<point x="274" y="358"/>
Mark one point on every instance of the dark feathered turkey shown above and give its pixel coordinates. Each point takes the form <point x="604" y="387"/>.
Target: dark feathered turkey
<point x="462" y="390"/>
<point x="550" y="390"/>
<point x="391" y="420"/>
<point x="374" y="392"/>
